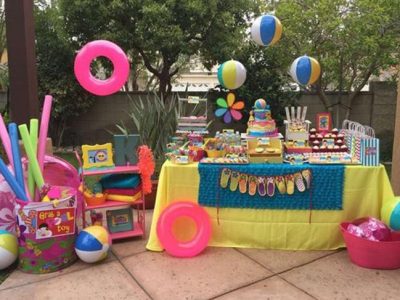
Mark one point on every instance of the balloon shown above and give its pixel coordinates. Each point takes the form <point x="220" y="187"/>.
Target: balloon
<point x="231" y="74"/>
<point x="266" y="30"/>
<point x="109" y="50"/>
<point x="305" y="70"/>
<point x="203" y="229"/>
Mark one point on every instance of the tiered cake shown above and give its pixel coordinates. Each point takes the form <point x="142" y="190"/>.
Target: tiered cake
<point x="260" y="122"/>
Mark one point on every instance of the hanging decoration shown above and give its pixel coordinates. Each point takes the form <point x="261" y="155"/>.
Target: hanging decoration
<point x="230" y="108"/>
<point x="231" y="74"/>
<point x="265" y="185"/>
<point x="266" y="30"/>
<point x="305" y="70"/>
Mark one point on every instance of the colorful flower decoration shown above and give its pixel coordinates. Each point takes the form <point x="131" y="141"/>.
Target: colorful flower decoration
<point x="229" y="108"/>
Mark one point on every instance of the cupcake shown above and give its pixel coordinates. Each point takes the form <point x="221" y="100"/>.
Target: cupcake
<point x="335" y="131"/>
<point x="316" y="143"/>
<point x="313" y="130"/>
<point x="319" y="136"/>
<point x="313" y="136"/>
<point x="340" y="136"/>
<point x="339" y="142"/>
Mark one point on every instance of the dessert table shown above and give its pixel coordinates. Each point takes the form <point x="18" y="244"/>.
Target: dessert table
<point x="365" y="190"/>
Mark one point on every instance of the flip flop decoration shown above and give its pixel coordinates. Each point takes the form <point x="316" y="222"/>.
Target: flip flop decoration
<point x="229" y="109"/>
<point x="265" y="185"/>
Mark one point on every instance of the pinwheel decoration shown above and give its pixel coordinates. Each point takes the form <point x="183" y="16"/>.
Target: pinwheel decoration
<point x="229" y="108"/>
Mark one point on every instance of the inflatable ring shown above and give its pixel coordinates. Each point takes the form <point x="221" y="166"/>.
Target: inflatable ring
<point x="109" y="50"/>
<point x="164" y="229"/>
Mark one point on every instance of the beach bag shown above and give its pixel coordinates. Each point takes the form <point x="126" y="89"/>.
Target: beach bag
<point x="46" y="233"/>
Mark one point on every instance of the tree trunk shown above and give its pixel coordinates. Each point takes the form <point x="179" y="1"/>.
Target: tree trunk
<point x="349" y="104"/>
<point x="165" y="84"/>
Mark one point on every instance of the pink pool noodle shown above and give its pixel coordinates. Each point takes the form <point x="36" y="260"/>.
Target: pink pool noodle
<point x="44" y="126"/>
<point x="6" y="140"/>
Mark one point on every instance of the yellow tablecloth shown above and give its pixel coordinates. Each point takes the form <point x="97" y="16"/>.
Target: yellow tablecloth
<point x="365" y="191"/>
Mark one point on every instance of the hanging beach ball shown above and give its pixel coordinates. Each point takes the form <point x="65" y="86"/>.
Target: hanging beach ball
<point x="260" y="104"/>
<point x="92" y="244"/>
<point x="305" y="70"/>
<point x="8" y="249"/>
<point x="266" y="30"/>
<point x="231" y="74"/>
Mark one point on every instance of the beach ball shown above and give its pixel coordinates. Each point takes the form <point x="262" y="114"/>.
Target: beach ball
<point x="92" y="244"/>
<point x="260" y="104"/>
<point x="305" y="70"/>
<point x="231" y="74"/>
<point x="266" y="30"/>
<point x="8" y="249"/>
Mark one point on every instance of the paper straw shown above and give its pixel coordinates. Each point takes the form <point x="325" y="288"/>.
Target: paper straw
<point x="44" y="126"/>
<point x="287" y="113"/>
<point x="298" y="113"/>
<point x="5" y="138"/>
<point x="293" y="114"/>
<point x="303" y="117"/>
<point x="33" y="162"/>
<point x="33" y="129"/>
<point x="17" y="189"/>
<point x="19" y="174"/>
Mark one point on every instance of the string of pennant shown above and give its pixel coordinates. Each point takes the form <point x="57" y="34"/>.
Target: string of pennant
<point x="265" y="185"/>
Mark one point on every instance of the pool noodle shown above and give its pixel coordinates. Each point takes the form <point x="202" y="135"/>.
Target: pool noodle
<point x="6" y="140"/>
<point x="18" y="191"/>
<point x="33" y="129"/>
<point x="18" y="171"/>
<point x="33" y="162"/>
<point x="44" y="126"/>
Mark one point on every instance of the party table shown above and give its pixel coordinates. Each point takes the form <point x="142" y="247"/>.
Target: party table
<point x="365" y="190"/>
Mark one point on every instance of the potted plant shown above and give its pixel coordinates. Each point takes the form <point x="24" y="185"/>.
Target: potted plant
<point x="155" y="122"/>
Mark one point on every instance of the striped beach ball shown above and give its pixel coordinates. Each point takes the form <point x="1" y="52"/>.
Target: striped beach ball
<point x="260" y="104"/>
<point x="231" y="74"/>
<point x="92" y="244"/>
<point x="305" y="70"/>
<point x="266" y="30"/>
<point x="8" y="249"/>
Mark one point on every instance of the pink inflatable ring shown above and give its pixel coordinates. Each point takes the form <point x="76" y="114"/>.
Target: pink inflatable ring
<point x="164" y="229"/>
<point x="109" y="50"/>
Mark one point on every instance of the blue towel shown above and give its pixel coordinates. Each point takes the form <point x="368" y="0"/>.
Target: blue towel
<point x="120" y="181"/>
<point x="326" y="190"/>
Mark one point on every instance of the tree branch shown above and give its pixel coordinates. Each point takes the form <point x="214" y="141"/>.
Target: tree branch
<point x="147" y="63"/>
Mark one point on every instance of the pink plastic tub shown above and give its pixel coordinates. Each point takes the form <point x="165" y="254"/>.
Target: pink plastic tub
<point x="371" y="254"/>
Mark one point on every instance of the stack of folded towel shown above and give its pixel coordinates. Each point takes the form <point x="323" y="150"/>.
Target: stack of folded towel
<point x="122" y="187"/>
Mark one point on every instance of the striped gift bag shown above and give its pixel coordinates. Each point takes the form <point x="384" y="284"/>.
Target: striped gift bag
<point x="353" y="133"/>
<point x="370" y="151"/>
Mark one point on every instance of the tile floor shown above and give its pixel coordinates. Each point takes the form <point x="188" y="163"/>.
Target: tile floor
<point x="131" y="272"/>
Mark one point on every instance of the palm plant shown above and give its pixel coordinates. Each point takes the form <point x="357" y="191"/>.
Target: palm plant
<point x="155" y="122"/>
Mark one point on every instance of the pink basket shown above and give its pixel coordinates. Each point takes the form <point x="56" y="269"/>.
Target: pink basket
<point x="371" y="254"/>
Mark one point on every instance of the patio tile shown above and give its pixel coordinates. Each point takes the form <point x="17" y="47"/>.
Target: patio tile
<point x="271" y="288"/>
<point x="104" y="281"/>
<point x="18" y="278"/>
<point x="281" y="260"/>
<point x="214" y="272"/>
<point x="127" y="247"/>
<point x="335" y="277"/>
